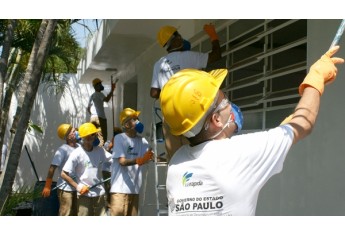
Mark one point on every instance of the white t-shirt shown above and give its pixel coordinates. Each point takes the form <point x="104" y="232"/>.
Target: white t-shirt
<point x="88" y="166"/>
<point x="168" y="65"/>
<point x="96" y="105"/>
<point x="107" y="165"/>
<point x="224" y="177"/>
<point x="127" y="179"/>
<point x="59" y="160"/>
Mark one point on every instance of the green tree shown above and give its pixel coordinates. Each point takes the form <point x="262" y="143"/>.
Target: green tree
<point x="64" y="51"/>
<point x="54" y="51"/>
<point x="32" y="77"/>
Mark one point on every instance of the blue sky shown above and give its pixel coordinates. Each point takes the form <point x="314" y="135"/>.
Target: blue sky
<point x="82" y="33"/>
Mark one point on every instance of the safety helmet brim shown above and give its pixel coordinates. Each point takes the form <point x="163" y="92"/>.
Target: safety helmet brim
<point x="87" y="129"/>
<point x="63" y="130"/>
<point x="164" y="34"/>
<point x="128" y="113"/>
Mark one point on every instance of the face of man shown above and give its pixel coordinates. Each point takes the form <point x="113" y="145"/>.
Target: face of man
<point x="99" y="87"/>
<point x="88" y="141"/>
<point x="225" y="116"/>
<point x="224" y="109"/>
<point x="176" y="42"/>
<point x="71" y="136"/>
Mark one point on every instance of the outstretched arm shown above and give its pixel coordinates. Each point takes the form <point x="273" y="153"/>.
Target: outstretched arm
<point x="216" y="53"/>
<point x="321" y="72"/>
<point x="107" y="98"/>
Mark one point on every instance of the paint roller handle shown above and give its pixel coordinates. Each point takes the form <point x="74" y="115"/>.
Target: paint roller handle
<point x="63" y="183"/>
<point x="339" y="33"/>
<point x="99" y="183"/>
<point x="113" y="84"/>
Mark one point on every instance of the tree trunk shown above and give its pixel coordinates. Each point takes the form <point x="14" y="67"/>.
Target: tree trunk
<point x="12" y="84"/>
<point x="33" y="77"/>
<point x="3" y="68"/>
<point x="5" y="54"/>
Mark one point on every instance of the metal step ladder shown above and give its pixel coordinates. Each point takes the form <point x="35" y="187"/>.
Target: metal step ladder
<point x="158" y="146"/>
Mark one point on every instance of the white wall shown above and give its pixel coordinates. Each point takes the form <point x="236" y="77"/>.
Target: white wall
<point x="312" y="179"/>
<point x="49" y="112"/>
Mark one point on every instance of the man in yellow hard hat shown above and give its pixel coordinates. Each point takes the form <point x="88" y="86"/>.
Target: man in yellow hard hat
<point x="86" y="164"/>
<point x="67" y="194"/>
<point x="179" y="57"/>
<point x="130" y="154"/>
<point x="218" y="175"/>
<point x="96" y="108"/>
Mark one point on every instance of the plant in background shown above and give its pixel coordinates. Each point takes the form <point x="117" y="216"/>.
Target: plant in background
<point x="34" y="127"/>
<point x="19" y="202"/>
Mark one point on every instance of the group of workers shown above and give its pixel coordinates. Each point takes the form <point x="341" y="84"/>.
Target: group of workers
<point x="211" y="171"/>
<point x="86" y="164"/>
<point x="85" y="167"/>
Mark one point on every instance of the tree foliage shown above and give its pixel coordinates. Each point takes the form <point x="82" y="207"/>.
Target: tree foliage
<point x="38" y="48"/>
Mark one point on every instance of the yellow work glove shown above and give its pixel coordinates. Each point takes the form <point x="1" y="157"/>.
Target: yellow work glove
<point x="322" y="71"/>
<point x="47" y="187"/>
<point x="147" y="157"/>
<point x="82" y="189"/>
<point x="211" y="31"/>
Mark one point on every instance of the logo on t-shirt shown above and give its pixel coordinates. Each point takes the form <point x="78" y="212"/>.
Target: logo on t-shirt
<point x="130" y="151"/>
<point x="187" y="183"/>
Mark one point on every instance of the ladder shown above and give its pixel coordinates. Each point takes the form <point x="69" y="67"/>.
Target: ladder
<point x="160" y="163"/>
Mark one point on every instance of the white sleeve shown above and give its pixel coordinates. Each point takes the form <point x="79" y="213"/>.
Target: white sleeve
<point x="268" y="150"/>
<point x="154" y="82"/>
<point x="107" y="164"/>
<point x="90" y="101"/>
<point x="71" y="162"/>
<point x="118" y="149"/>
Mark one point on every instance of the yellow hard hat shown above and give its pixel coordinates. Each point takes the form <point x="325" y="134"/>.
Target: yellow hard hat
<point x="87" y="129"/>
<point x="128" y="113"/>
<point x="63" y="130"/>
<point x="96" y="81"/>
<point x="165" y="34"/>
<point x="187" y="96"/>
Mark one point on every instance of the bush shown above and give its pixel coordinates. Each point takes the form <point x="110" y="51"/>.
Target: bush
<point x="22" y="198"/>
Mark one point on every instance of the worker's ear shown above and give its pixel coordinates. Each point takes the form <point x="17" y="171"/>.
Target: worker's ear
<point x="126" y="125"/>
<point x="216" y="120"/>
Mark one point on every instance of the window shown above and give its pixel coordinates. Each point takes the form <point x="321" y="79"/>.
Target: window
<point x="267" y="62"/>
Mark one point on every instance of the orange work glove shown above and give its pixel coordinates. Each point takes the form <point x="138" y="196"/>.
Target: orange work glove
<point x="211" y="31"/>
<point x="147" y="157"/>
<point x="47" y="187"/>
<point x="322" y="71"/>
<point x="82" y="189"/>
